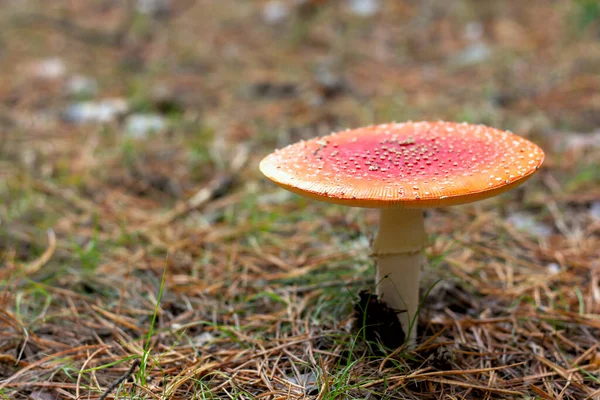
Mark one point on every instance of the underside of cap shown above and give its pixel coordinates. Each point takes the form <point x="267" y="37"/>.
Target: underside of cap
<point x="407" y="165"/>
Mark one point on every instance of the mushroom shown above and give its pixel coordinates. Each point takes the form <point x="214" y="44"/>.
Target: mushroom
<point x="402" y="169"/>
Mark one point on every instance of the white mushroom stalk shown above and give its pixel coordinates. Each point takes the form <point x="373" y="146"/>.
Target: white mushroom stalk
<point x="398" y="249"/>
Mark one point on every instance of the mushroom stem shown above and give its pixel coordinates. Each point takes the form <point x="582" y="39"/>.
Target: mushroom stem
<point x="398" y="248"/>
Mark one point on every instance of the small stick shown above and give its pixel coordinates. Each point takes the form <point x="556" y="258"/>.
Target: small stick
<point x="35" y="266"/>
<point x="122" y="379"/>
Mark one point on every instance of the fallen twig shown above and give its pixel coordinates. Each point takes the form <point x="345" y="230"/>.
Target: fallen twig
<point x="45" y="257"/>
<point x="122" y="379"/>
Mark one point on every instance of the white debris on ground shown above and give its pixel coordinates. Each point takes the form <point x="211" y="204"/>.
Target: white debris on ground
<point x="47" y="69"/>
<point x="553" y="268"/>
<point x="141" y="125"/>
<point x="203" y="338"/>
<point x="41" y="395"/>
<point x="595" y="210"/>
<point x="474" y="53"/>
<point x="473" y="31"/>
<point x="575" y="141"/>
<point x="527" y="223"/>
<point x="364" y="8"/>
<point x="152" y="7"/>
<point x="275" y="12"/>
<point x="307" y="380"/>
<point x="81" y="85"/>
<point x="105" y="110"/>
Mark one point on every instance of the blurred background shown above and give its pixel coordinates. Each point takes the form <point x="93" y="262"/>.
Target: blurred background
<point x="130" y="135"/>
<point x="153" y="97"/>
<point x="274" y="71"/>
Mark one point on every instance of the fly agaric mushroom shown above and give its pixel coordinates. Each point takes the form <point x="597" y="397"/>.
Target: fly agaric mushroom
<point x="402" y="169"/>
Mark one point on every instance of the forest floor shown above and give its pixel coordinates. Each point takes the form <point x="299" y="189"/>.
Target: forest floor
<point x="143" y="255"/>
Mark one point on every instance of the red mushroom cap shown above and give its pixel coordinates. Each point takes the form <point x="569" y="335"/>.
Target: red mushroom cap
<point x="406" y="165"/>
